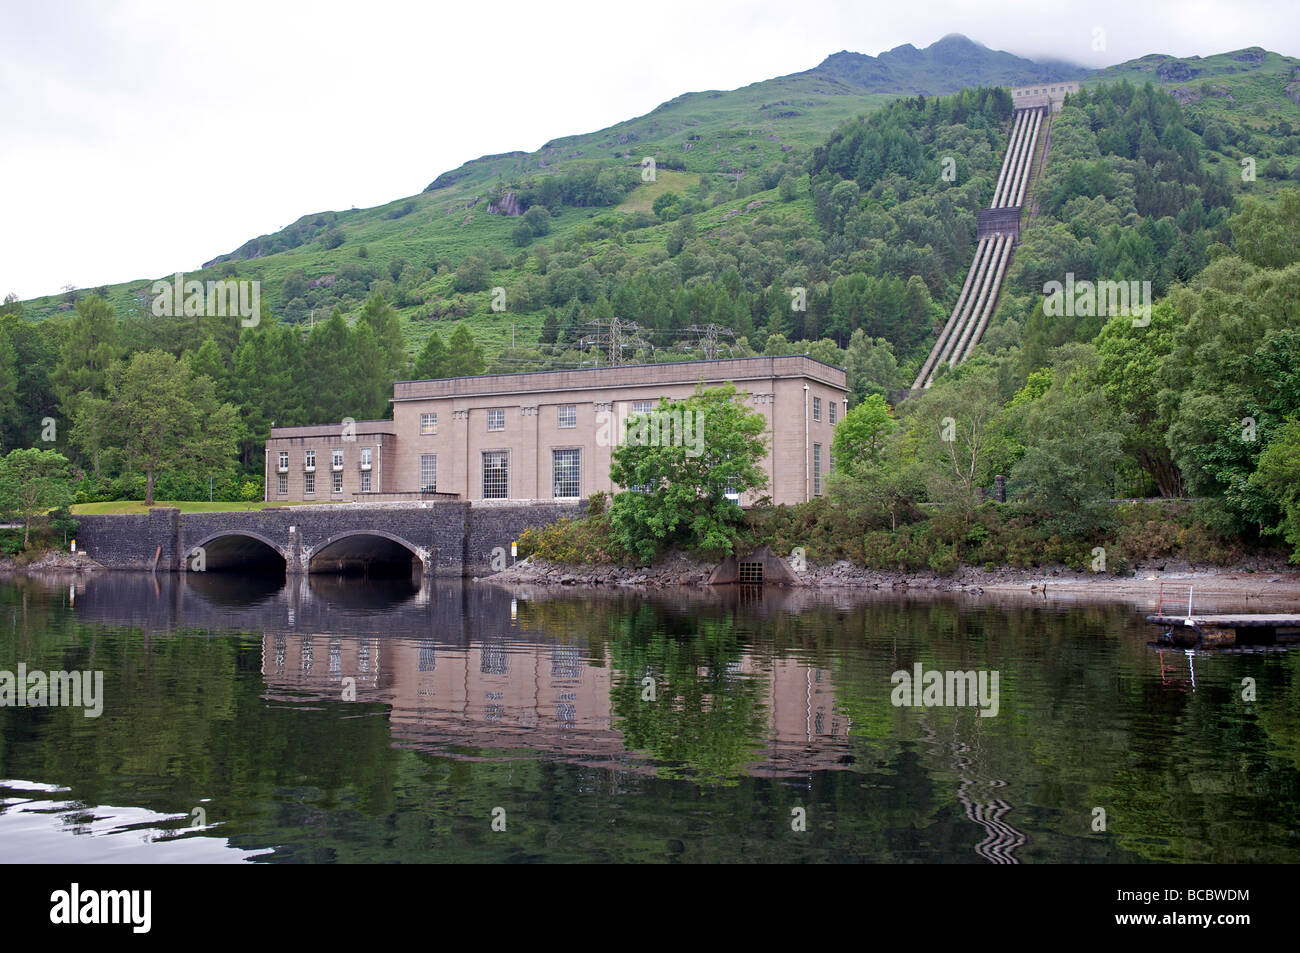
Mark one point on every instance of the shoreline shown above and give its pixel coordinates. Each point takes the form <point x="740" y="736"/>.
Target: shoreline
<point x="1211" y="586"/>
<point x="55" y="561"/>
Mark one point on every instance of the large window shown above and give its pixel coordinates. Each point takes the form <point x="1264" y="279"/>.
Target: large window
<point x="496" y="475"/>
<point x="336" y="481"/>
<point x="568" y="415"/>
<point x="496" y="420"/>
<point x="817" y="408"/>
<point x="817" y="469"/>
<point x="566" y="473"/>
<point x="365" y="481"/>
<point x="309" y="484"/>
<point x="282" y="484"/>
<point x="428" y="423"/>
<point x="428" y="472"/>
<point x="284" y="459"/>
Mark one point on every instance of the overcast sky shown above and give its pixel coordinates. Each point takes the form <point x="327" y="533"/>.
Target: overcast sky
<point x="142" y="137"/>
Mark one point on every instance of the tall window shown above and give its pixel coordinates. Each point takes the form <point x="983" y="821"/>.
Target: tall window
<point x="284" y="459"/>
<point x="817" y="408"/>
<point x="309" y="484"/>
<point x="337" y="459"/>
<point x="817" y="469"/>
<point x="365" y="481"/>
<point x="282" y="486"/>
<point x="496" y="420"/>
<point x="568" y="415"/>
<point x="428" y="423"/>
<point x="336" y="481"/>
<point x="496" y="475"/>
<point x="428" y="472"/>
<point x="833" y="408"/>
<point x="365" y="458"/>
<point x="566" y="473"/>
<point x="309" y="460"/>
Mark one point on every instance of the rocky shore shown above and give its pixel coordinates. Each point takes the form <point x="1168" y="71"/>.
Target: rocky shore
<point x="53" y="561"/>
<point x="1213" y="583"/>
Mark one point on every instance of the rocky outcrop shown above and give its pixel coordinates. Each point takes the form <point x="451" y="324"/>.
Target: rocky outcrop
<point x="508" y="204"/>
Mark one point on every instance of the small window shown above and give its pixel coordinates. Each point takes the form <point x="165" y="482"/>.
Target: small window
<point x="365" y="458"/>
<point x="642" y="406"/>
<point x="309" y="460"/>
<point x="428" y="473"/>
<point x="817" y="408"/>
<point x="496" y="420"/>
<point x="817" y="469"/>
<point x="336" y="481"/>
<point x="832" y="409"/>
<point x="284" y="459"/>
<point x="365" y="481"/>
<point x="428" y="423"/>
<point x="496" y="475"/>
<point x="282" y="486"/>
<point x="566" y="473"/>
<point x="568" y="415"/>
<point x="337" y="459"/>
<point x="309" y="484"/>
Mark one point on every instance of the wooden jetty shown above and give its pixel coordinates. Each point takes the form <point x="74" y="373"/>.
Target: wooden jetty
<point x="1219" y="630"/>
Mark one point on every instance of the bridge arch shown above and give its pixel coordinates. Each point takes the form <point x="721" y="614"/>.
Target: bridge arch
<point x="234" y="549"/>
<point x="366" y="551"/>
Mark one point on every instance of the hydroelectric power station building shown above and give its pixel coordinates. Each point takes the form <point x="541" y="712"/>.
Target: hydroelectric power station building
<point x="549" y="435"/>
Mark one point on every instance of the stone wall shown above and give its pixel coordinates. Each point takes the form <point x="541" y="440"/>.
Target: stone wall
<point x="450" y="538"/>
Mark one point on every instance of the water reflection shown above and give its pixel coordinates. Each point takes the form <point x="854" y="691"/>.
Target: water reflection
<point x="337" y="719"/>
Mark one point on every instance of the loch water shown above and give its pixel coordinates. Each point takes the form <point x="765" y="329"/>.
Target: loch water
<point x="330" y="719"/>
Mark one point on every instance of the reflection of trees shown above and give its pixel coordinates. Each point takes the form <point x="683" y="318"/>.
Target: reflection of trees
<point x="708" y="718"/>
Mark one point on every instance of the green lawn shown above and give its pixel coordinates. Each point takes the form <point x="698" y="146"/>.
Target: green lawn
<point x="187" y="506"/>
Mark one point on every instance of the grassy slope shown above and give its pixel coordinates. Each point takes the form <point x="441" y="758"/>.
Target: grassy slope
<point x="187" y="506"/>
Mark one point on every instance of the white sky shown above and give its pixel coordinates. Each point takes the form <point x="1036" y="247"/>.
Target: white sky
<point x="142" y="137"/>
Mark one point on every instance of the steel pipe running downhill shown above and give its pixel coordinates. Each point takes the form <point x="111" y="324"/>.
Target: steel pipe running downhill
<point x="922" y="379"/>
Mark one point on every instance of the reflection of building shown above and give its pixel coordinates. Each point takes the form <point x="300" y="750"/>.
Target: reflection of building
<point x="549" y="435"/>
<point x="544" y="696"/>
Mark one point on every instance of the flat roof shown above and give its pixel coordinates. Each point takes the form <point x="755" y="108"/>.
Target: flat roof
<point x="334" y="430"/>
<point x="734" y="369"/>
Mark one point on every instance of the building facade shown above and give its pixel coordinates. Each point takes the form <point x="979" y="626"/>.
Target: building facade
<point x="1051" y="95"/>
<point x="549" y="435"/>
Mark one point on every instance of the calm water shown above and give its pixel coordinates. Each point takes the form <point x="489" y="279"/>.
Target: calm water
<point x="611" y="727"/>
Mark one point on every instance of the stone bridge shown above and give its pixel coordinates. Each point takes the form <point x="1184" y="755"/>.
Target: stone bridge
<point x="445" y="538"/>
